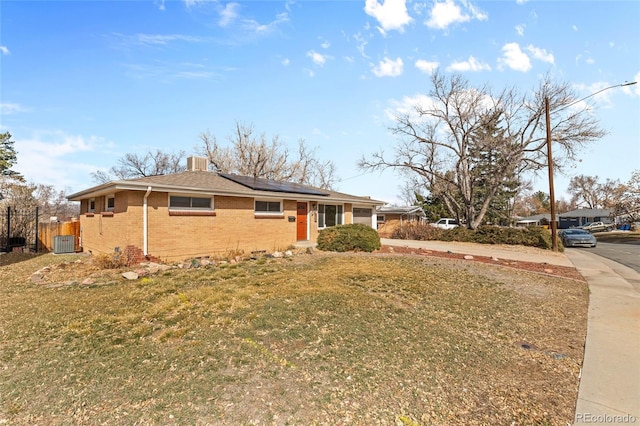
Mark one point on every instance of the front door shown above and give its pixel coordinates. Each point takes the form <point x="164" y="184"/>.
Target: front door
<point x="301" y="219"/>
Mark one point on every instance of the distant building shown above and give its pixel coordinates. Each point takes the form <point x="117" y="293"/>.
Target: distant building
<point x="390" y="218"/>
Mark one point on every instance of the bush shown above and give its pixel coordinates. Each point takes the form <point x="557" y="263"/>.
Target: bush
<point x="353" y="237"/>
<point x="533" y="236"/>
<point x="110" y="261"/>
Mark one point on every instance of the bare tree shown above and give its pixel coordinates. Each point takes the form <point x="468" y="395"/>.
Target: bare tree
<point x="589" y="192"/>
<point x="149" y="164"/>
<point x="628" y="206"/>
<point x="445" y="143"/>
<point x="254" y="155"/>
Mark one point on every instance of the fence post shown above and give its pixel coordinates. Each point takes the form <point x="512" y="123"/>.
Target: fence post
<point x="8" y="228"/>
<point x="36" y="241"/>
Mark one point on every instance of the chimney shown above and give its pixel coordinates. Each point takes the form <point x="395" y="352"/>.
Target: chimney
<point x="197" y="164"/>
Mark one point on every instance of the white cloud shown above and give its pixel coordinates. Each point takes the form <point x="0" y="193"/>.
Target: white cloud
<point x="229" y="14"/>
<point x="362" y="43"/>
<point x="513" y="57"/>
<point x="53" y="158"/>
<point x="520" y="29"/>
<point x="325" y="45"/>
<point x="448" y="12"/>
<point x="317" y="58"/>
<point x="286" y="62"/>
<point x="4" y="50"/>
<point x="472" y="64"/>
<point x="541" y="54"/>
<point x="391" y="14"/>
<point x="575" y="28"/>
<point x="163" y="39"/>
<point x="426" y="66"/>
<point x="8" y="109"/>
<point x="389" y="68"/>
<point x="407" y="105"/>
<point x="259" y="28"/>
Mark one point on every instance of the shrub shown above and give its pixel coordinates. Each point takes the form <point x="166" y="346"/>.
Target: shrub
<point x="114" y="260"/>
<point x="533" y="236"/>
<point x="353" y="237"/>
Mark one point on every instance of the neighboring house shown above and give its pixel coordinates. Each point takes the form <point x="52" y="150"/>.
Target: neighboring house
<point x="574" y="218"/>
<point x="579" y="217"/>
<point x="543" y="219"/>
<point x="390" y="218"/>
<point x="203" y="213"/>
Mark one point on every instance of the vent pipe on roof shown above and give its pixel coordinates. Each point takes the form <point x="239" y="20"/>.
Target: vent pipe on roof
<point x="197" y="164"/>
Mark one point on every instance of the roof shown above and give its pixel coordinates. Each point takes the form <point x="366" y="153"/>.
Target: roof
<point x="587" y="213"/>
<point x="212" y="183"/>
<point x="400" y="210"/>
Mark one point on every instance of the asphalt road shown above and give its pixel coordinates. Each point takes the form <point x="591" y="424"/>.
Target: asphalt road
<point x="627" y="253"/>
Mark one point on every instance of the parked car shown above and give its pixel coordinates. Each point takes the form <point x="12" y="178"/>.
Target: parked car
<point x="575" y="237"/>
<point x="446" y="223"/>
<point x="598" y="226"/>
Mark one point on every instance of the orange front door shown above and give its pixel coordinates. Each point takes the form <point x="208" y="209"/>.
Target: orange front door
<point x="301" y="219"/>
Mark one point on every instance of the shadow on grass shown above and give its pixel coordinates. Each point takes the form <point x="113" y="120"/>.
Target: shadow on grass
<point x="11" y="258"/>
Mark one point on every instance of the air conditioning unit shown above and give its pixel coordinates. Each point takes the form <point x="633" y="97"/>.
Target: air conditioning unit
<point x="64" y="244"/>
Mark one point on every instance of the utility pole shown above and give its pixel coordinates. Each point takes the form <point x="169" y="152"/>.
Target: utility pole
<point x="552" y="197"/>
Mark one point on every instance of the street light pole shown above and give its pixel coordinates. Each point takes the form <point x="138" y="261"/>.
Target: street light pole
<point x="552" y="197"/>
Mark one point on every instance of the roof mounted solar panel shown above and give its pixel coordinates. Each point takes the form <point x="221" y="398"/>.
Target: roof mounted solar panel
<point x="261" y="184"/>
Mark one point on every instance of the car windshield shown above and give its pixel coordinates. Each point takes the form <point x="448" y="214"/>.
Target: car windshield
<point x="575" y="232"/>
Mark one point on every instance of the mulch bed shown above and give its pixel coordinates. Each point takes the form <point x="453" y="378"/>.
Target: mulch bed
<point x="541" y="268"/>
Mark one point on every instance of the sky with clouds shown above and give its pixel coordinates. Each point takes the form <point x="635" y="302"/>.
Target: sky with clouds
<point x="85" y="82"/>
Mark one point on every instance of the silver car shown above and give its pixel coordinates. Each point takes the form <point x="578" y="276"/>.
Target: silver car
<point x="577" y="238"/>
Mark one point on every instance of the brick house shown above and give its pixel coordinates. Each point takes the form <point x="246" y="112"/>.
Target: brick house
<point x="204" y="213"/>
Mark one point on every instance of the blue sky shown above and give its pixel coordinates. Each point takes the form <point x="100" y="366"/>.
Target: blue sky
<point x="85" y="82"/>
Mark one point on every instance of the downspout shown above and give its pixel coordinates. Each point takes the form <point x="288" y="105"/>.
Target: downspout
<point x="145" y="223"/>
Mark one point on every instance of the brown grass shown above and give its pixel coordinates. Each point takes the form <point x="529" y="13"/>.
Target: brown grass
<point x="320" y="339"/>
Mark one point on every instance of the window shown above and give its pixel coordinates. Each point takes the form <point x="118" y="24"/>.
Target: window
<point x="111" y="203"/>
<point x="329" y="215"/>
<point x="269" y="207"/>
<point x="380" y="218"/>
<point x="92" y="205"/>
<point x="189" y="203"/>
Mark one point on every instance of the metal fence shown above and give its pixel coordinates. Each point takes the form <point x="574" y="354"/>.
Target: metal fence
<point x="19" y="229"/>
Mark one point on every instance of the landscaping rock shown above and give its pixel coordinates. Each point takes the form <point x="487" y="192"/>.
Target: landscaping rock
<point x="131" y="275"/>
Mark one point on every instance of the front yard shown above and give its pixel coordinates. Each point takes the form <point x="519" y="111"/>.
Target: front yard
<point x="316" y="339"/>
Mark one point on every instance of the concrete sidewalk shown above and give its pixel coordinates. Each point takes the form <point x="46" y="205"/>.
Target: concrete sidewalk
<point x="609" y="391"/>
<point x="524" y="254"/>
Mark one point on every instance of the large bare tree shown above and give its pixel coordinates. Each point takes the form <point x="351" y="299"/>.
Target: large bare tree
<point x="466" y="143"/>
<point x="250" y="154"/>
<point x="628" y="206"/>
<point x="149" y="164"/>
<point x="589" y="192"/>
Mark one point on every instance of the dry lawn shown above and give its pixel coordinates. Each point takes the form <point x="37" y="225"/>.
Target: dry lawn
<point x="326" y="339"/>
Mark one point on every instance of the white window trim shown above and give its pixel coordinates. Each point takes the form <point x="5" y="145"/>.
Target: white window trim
<point x="264" y="213"/>
<point x="89" y="208"/>
<point x="211" y="207"/>
<point x="342" y="215"/>
<point x="106" y="203"/>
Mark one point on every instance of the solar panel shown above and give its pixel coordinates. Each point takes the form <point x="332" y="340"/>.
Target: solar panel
<point x="261" y="184"/>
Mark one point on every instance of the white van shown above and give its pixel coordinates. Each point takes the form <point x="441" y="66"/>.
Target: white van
<point x="446" y="223"/>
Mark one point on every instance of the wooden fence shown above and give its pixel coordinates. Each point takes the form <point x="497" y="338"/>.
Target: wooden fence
<point x="48" y="231"/>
